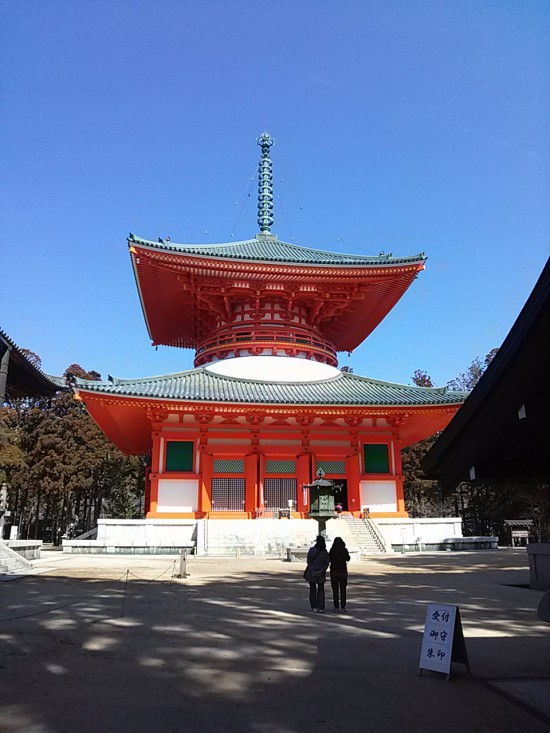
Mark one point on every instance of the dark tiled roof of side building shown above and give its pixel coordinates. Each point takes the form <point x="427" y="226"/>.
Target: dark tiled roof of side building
<point x="24" y="377"/>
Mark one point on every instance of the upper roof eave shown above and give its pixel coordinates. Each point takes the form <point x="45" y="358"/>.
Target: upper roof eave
<point x="269" y="249"/>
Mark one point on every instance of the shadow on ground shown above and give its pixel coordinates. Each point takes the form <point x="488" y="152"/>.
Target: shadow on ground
<point x="234" y="648"/>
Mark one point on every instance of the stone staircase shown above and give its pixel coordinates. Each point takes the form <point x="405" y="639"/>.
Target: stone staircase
<point x="364" y="534"/>
<point x="11" y="562"/>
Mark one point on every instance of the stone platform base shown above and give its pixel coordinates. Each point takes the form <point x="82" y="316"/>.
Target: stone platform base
<point x="29" y="549"/>
<point x="263" y="537"/>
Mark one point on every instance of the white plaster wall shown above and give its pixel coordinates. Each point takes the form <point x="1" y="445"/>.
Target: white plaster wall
<point x="413" y="530"/>
<point x="379" y="496"/>
<point x="260" y="533"/>
<point x="146" y="532"/>
<point x="274" y="369"/>
<point x="169" y="533"/>
<point x="121" y="530"/>
<point x="177" y="495"/>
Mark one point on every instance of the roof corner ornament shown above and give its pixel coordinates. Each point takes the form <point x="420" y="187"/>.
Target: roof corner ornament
<point x="265" y="184"/>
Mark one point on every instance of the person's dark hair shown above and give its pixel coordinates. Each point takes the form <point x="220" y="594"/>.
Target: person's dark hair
<point x="320" y="543"/>
<point x="338" y="548"/>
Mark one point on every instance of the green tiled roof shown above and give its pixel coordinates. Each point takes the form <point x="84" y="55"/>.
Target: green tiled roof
<point x="344" y="389"/>
<point x="269" y="249"/>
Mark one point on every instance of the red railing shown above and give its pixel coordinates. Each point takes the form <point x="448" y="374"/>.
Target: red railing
<point x="265" y="338"/>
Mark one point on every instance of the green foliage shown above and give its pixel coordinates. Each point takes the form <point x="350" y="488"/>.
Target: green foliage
<point x="422" y="495"/>
<point x="61" y="468"/>
<point x="422" y="379"/>
<point x="75" y="370"/>
<point x="11" y="456"/>
<point x="32" y="357"/>
<point x="468" y="379"/>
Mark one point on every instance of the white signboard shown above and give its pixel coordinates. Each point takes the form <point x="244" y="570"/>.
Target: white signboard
<point x="443" y="640"/>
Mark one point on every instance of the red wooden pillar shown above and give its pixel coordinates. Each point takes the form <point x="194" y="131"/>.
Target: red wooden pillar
<point x="156" y="468"/>
<point x="260" y="501"/>
<point x="251" y="483"/>
<point x="399" y="480"/>
<point x="396" y="450"/>
<point x="303" y="476"/>
<point x="205" y="482"/>
<point x="147" y="494"/>
<point x="354" y="483"/>
<point x="400" y="497"/>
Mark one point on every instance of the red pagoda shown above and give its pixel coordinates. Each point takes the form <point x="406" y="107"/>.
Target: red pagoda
<point x="266" y="407"/>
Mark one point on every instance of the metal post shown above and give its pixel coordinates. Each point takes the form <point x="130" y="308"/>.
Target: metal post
<point x="183" y="563"/>
<point x="124" y="596"/>
<point x="3" y="507"/>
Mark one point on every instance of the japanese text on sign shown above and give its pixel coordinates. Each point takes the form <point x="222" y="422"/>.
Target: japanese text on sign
<point x="437" y="642"/>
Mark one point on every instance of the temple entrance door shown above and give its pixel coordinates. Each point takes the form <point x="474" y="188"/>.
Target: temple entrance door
<point x="341" y="494"/>
<point x="278" y="492"/>
<point x="228" y="494"/>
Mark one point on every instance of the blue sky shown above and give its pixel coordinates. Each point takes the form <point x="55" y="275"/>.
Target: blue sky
<point x="399" y="126"/>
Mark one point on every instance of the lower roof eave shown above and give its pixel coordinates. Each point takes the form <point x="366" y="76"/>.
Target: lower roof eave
<point x="182" y="405"/>
<point x="128" y="420"/>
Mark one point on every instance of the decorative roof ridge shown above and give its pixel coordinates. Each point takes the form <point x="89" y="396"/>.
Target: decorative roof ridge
<point x="134" y="238"/>
<point x="123" y="380"/>
<point x="431" y="390"/>
<point x="86" y="383"/>
<point x="178" y="246"/>
<point x="117" y="381"/>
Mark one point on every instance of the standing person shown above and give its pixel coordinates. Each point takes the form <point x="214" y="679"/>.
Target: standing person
<point x="316" y="574"/>
<point x="339" y="557"/>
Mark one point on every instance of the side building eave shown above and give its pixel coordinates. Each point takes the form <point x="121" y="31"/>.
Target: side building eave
<point x="19" y="377"/>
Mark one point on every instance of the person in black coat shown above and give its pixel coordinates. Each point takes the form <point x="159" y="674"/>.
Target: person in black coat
<point x="316" y="574"/>
<point x="339" y="557"/>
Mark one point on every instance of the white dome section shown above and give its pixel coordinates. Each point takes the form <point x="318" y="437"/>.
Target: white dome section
<point x="273" y="369"/>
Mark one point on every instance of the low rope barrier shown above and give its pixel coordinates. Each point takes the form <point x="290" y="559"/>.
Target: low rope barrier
<point x="151" y="580"/>
<point x="89" y="596"/>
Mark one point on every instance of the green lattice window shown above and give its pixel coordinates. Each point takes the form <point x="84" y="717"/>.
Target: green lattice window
<point x="280" y="466"/>
<point x="231" y="465"/>
<point x="377" y="459"/>
<point x="332" y="467"/>
<point x="179" y="455"/>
